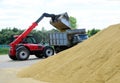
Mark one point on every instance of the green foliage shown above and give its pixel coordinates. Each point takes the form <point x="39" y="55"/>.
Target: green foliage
<point x="73" y="22"/>
<point x="4" y="51"/>
<point x="6" y="35"/>
<point x="43" y="29"/>
<point x="53" y="30"/>
<point x="92" y="32"/>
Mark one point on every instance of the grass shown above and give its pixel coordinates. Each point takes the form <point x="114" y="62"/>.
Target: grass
<point x="4" y="51"/>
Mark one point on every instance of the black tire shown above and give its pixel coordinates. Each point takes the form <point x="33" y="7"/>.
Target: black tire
<point x="22" y="53"/>
<point x="60" y="48"/>
<point x="12" y="57"/>
<point x="39" y="55"/>
<point x="48" y="51"/>
<point x="57" y="50"/>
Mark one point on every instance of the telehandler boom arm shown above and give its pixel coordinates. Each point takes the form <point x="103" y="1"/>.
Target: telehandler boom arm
<point x="27" y="31"/>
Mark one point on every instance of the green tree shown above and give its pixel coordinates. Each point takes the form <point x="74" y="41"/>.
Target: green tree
<point x="73" y="22"/>
<point x="52" y="31"/>
<point x="15" y="29"/>
<point x="6" y="35"/>
<point x="43" y="29"/>
<point x="92" y="32"/>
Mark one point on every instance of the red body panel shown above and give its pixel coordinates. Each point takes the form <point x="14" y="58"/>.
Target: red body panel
<point x="23" y="35"/>
<point x="31" y="47"/>
<point x="34" y="47"/>
<point x="12" y="51"/>
<point x="13" y="45"/>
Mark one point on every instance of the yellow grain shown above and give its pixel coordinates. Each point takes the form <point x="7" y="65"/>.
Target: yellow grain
<point x="96" y="60"/>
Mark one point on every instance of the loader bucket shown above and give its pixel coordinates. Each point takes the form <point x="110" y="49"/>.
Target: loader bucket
<point x="61" y="22"/>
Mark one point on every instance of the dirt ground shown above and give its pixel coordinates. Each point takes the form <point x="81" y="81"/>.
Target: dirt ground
<point x="9" y="76"/>
<point x="9" y="69"/>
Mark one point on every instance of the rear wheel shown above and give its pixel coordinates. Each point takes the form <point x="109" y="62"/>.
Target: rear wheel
<point x="60" y="48"/>
<point x="57" y="49"/>
<point x="22" y="53"/>
<point x="48" y="51"/>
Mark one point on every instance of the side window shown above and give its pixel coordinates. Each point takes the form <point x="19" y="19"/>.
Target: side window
<point x="33" y="40"/>
<point x="75" y="38"/>
<point x="29" y="40"/>
<point x="83" y="37"/>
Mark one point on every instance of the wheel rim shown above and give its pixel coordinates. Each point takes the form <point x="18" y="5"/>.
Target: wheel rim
<point x="49" y="52"/>
<point x="23" y="54"/>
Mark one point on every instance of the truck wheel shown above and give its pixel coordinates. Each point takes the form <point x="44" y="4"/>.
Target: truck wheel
<point x="48" y="51"/>
<point x="12" y="57"/>
<point x="39" y="55"/>
<point x="22" y="53"/>
<point x="57" y="49"/>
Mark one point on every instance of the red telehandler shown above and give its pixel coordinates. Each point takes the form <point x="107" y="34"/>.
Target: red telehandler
<point x="24" y="45"/>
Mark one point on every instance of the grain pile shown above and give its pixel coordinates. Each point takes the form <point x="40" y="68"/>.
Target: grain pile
<point x="97" y="60"/>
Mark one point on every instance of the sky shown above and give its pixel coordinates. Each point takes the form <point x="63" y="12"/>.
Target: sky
<point x="90" y="14"/>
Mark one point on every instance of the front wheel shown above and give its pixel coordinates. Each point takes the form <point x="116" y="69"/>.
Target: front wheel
<point x="22" y="53"/>
<point x="48" y="51"/>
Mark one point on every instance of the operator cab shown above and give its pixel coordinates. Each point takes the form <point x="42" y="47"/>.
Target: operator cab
<point x="83" y="36"/>
<point x="79" y="38"/>
<point x="29" y="39"/>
